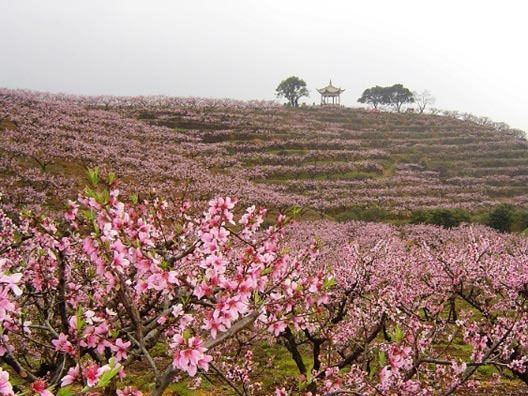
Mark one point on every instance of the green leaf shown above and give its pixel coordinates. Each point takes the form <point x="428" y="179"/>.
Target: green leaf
<point x="91" y="272"/>
<point x="96" y="228"/>
<point x="256" y="297"/>
<point x="89" y="215"/>
<point x="107" y="376"/>
<point x="164" y="265"/>
<point x="266" y="271"/>
<point x="296" y="211"/>
<point x="382" y="358"/>
<point x="186" y="334"/>
<point x="65" y="392"/>
<point x="111" y="177"/>
<point x="89" y="192"/>
<point x="93" y="176"/>
<point x="329" y="283"/>
<point x="398" y="334"/>
<point x="102" y="197"/>
<point x="285" y="250"/>
<point x="134" y="198"/>
<point x="185" y="299"/>
<point x="80" y="319"/>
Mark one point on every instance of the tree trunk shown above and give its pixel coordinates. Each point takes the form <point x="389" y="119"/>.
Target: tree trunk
<point x="294" y="351"/>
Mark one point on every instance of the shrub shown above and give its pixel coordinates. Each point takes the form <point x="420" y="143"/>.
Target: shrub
<point x="502" y="218"/>
<point x="444" y="217"/>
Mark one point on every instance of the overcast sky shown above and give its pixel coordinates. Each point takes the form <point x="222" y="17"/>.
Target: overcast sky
<point x="472" y="55"/>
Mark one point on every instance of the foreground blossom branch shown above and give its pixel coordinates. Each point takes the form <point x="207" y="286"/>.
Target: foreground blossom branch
<point x="169" y="373"/>
<point x="88" y="297"/>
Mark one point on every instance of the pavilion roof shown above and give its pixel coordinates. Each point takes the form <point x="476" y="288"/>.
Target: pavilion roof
<point x="330" y="89"/>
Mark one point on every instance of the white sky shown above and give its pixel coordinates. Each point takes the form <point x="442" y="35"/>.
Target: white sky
<point x="472" y="55"/>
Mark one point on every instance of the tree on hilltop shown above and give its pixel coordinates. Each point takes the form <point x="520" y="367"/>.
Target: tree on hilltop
<point x="423" y="99"/>
<point x="292" y="89"/>
<point x="395" y="96"/>
<point x="373" y="96"/>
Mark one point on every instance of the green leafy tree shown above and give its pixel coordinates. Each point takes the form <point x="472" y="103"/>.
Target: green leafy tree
<point x="501" y="218"/>
<point x="419" y="217"/>
<point x="373" y="96"/>
<point x="449" y="218"/>
<point x="444" y="217"/>
<point x="292" y="89"/>
<point x="522" y="220"/>
<point x="397" y="95"/>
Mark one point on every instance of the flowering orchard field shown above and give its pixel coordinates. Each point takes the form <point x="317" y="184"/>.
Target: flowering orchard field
<point x="323" y="158"/>
<point x="118" y="293"/>
<point x="360" y="309"/>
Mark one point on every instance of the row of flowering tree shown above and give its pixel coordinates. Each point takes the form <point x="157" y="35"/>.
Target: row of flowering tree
<point x="360" y="309"/>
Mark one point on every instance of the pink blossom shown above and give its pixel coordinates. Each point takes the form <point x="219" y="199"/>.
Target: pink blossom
<point x="92" y="373"/>
<point x="11" y="282"/>
<point x="399" y="357"/>
<point x="5" y="386"/>
<point x="277" y="327"/>
<point x="120" y="262"/>
<point x="157" y="282"/>
<point x="458" y="368"/>
<point x="385" y="377"/>
<point x="120" y="349"/>
<point x="189" y="356"/>
<point x="214" y="325"/>
<point x="280" y="392"/>
<point x="72" y="376"/>
<point x="129" y="391"/>
<point x="62" y="344"/>
<point x="39" y="386"/>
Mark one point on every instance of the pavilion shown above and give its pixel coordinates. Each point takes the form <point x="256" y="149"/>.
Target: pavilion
<point x="330" y="94"/>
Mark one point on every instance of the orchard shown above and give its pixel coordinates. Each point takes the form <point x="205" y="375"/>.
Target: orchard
<point x="193" y="295"/>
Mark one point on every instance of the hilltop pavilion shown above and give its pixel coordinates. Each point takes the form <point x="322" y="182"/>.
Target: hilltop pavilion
<point x="330" y="94"/>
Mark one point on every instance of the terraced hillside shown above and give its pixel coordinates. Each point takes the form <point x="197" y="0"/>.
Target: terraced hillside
<point x="48" y="142"/>
<point x="343" y="158"/>
<point x="329" y="159"/>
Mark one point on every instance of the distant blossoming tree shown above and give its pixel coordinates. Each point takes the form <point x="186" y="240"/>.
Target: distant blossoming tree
<point x="423" y="99"/>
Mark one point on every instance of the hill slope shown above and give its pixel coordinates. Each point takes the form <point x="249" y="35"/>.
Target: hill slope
<point x="329" y="159"/>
